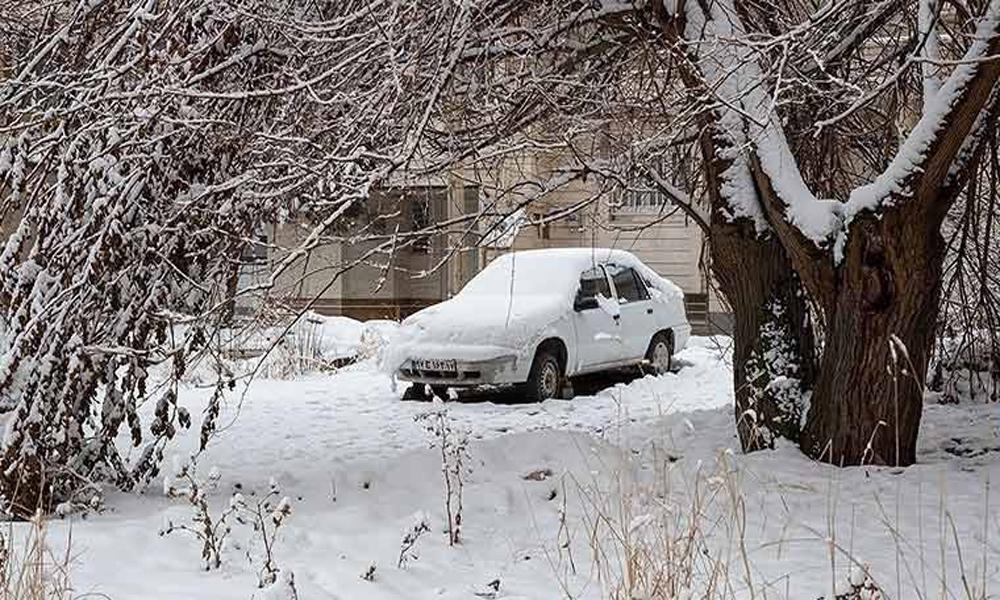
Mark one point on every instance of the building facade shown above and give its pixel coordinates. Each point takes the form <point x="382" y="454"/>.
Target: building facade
<point x="360" y="273"/>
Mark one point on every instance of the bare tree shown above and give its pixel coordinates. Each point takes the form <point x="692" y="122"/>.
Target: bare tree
<point x="144" y="143"/>
<point x="872" y="262"/>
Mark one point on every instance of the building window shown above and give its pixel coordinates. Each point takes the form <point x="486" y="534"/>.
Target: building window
<point x="543" y="227"/>
<point x="255" y="252"/>
<point x="642" y="200"/>
<point x="420" y="210"/>
<point x="643" y="196"/>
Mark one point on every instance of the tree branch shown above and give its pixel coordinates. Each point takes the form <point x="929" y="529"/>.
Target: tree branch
<point x="928" y="155"/>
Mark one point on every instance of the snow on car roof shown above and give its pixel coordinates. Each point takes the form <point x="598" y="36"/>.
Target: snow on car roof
<point x="549" y="271"/>
<point x="553" y="271"/>
<point x="577" y="255"/>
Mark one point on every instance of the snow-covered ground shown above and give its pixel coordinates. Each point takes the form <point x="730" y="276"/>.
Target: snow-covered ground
<point x="559" y="496"/>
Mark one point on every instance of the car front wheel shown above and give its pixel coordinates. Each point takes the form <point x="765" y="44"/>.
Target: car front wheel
<point x="420" y="393"/>
<point x="417" y="392"/>
<point x="545" y="378"/>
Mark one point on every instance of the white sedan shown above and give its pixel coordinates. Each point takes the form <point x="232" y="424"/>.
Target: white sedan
<point x="538" y="317"/>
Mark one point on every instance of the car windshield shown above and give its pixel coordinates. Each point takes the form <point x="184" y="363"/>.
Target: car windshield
<point x="525" y="274"/>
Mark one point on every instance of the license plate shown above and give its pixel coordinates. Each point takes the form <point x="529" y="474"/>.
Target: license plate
<point x="433" y="364"/>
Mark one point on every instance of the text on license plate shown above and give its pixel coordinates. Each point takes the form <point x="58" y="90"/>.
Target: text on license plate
<point x="432" y="364"/>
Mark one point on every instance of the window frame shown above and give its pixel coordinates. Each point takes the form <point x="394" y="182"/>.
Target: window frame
<point x="421" y="217"/>
<point x="607" y="281"/>
<point x="640" y="284"/>
<point x="641" y="195"/>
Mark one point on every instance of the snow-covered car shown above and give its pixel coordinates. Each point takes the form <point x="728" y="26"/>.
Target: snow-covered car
<point x="536" y="318"/>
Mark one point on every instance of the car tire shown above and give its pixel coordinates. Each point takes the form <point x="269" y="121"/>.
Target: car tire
<point x="545" y="380"/>
<point x="659" y="356"/>
<point x="417" y="392"/>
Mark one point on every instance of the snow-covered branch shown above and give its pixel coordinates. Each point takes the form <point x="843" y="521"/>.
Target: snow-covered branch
<point x="927" y="156"/>
<point x="143" y="145"/>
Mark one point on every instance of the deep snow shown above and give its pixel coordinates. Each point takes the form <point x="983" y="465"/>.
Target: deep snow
<point x="357" y="469"/>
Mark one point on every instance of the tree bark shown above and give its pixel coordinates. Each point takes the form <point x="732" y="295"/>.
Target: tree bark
<point x="867" y="401"/>
<point x="774" y="347"/>
<point x="770" y="316"/>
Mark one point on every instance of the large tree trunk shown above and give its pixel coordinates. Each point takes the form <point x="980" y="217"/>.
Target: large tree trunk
<point x="880" y="332"/>
<point x="770" y="315"/>
<point x="774" y="349"/>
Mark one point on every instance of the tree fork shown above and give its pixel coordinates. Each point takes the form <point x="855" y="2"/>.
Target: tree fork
<point x="868" y="396"/>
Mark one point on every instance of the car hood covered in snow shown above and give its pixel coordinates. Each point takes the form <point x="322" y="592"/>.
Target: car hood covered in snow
<point x="481" y="326"/>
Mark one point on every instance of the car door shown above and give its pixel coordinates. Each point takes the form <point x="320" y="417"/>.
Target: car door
<point x="638" y="321"/>
<point x="597" y="322"/>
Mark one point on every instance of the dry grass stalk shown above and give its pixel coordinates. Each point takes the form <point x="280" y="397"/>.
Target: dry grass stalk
<point x="30" y="568"/>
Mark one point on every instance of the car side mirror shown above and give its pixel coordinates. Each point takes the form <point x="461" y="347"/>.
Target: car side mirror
<point x="585" y="303"/>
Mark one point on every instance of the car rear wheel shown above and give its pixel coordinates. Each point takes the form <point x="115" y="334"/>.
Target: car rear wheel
<point x="545" y="380"/>
<point x="659" y="356"/>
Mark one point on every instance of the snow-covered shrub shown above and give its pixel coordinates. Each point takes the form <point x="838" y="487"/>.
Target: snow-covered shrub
<point x="410" y="538"/>
<point x="296" y="352"/>
<point x="315" y="343"/>
<point x="279" y="344"/>
<point x="965" y="367"/>
<point x="376" y="337"/>
<point x="211" y="531"/>
<point x="265" y="518"/>
<point x="453" y="444"/>
<point x="261" y="521"/>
